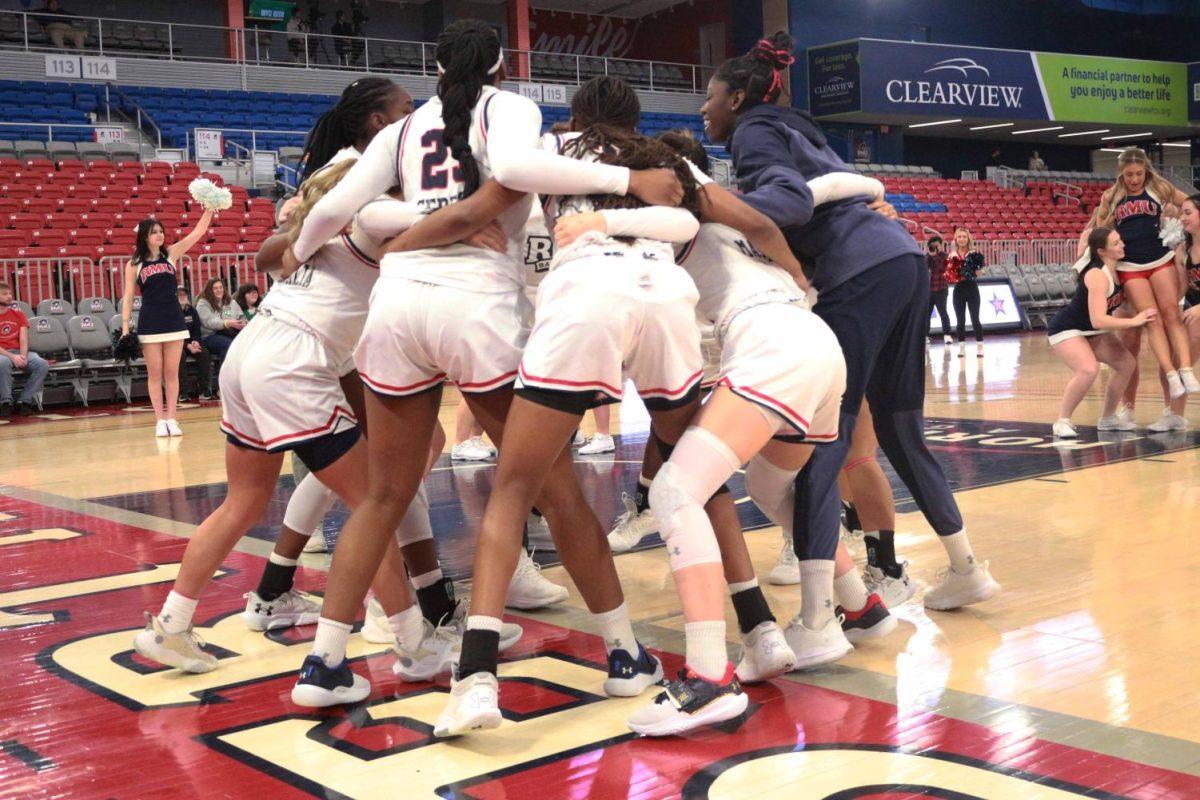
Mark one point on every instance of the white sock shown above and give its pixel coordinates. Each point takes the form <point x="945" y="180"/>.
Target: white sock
<point x="706" y="654"/>
<point x="176" y="613"/>
<point x="617" y="630"/>
<point x="275" y="558"/>
<point x="427" y="579"/>
<point x="408" y="627"/>
<point x="962" y="558"/>
<point x="816" y="593"/>
<point x="850" y="591"/>
<point x="741" y="586"/>
<point x="330" y="642"/>
<point x="644" y="482"/>
<point x="479" y="622"/>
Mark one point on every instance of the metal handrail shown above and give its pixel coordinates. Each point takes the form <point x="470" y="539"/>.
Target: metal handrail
<point x="1069" y="191"/>
<point x="142" y="114"/>
<point x="249" y="45"/>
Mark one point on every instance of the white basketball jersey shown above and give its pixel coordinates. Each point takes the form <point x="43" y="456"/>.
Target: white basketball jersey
<point x="731" y="275"/>
<point x="431" y="178"/>
<point x="539" y="248"/>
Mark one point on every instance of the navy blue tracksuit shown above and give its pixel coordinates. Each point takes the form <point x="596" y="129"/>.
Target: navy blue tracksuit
<point x="874" y="293"/>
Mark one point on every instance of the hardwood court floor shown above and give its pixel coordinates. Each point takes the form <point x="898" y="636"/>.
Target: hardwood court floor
<point x="1077" y="681"/>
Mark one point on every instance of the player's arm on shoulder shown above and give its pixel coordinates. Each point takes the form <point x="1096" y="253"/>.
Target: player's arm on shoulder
<point x="765" y="158"/>
<point x="383" y="218"/>
<point x="843" y="186"/>
<point x="718" y="204"/>
<point x="457" y="221"/>
<point x="269" y="258"/>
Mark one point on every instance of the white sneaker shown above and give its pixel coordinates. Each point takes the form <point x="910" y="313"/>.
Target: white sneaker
<point x="376" y="629"/>
<point x="290" y="608"/>
<point x="894" y="592"/>
<point x="1115" y="423"/>
<point x="473" y="705"/>
<point x="161" y="430"/>
<point x="957" y="589"/>
<point x="962" y="350"/>
<point x="1175" y="385"/>
<point x="316" y="542"/>
<point x="786" y="571"/>
<point x="948" y="340"/>
<point x="529" y="589"/>
<point x="688" y="703"/>
<point x="441" y="647"/>
<point x="537" y="532"/>
<point x="1063" y="429"/>
<point x="1125" y="413"/>
<point x="173" y="428"/>
<point x="1189" y="380"/>
<point x="816" y="647"/>
<point x="631" y="527"/>
<point x="179" y="650"/>
<point x="599" y="444"/>
<point x="578" y="440"/>
<point x="979" y="351"/>
<point x="473" y="449"/>
<point x="1169" y="421"/>
<point x="765" y="654"/>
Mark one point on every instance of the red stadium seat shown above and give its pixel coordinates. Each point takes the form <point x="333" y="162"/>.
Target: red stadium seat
<point x="145" y="206"/>
<point x="88" y="237"/>
<point x="71" y="165"/>
<point x="39" y="205"/>
<point x="25" y="221"/>
<point x="9" y="206"/>
<point x="20" y="191"/>
<point x="130" y="166"/>
<point x="13" y="239"/>
<point x="61" y="220"/>
<point x="47" y="239"/>
<point x="97" y="220"/>
<point x="109" y="205"/>
<point x="39" y="165"/>
<point x="78" y="251"/>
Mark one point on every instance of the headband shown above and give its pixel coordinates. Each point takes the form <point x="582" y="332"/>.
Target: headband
<point x="495" y="67"/>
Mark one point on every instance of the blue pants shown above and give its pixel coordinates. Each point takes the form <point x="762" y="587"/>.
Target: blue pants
<point x="218" y="344"/>
<point x="37" y="369"/>
<point x="880" y="318"/>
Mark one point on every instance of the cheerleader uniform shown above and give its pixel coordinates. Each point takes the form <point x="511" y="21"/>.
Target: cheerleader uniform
<point x="1137" y="218"/>
<point x="161" y="318"/>
<point x="1191" y="294"/>
<point x="1076" y="320"/>
<point x="962" y="271"/>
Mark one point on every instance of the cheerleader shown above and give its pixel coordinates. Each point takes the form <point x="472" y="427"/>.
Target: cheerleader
<point x="453" y="313"/>
<point x="1134" y="206"/>
<point x="874" y="295"/>
<point x="963" y="263"/>
<point x="1077" y="333"/>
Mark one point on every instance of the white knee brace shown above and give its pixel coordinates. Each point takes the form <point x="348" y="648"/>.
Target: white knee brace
<point x="415" y="527"/>
<point x="773" y="490"/>
<point x="699" y="465"/>
<point x="308" y="505"/>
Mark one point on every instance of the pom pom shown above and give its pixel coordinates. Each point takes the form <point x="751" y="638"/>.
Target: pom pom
<point x="210" y="196"/>
<point x="1171" y="232"/>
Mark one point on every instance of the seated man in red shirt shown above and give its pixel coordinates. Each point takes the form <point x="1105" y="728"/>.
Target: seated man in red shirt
<point x="15" y="356"/>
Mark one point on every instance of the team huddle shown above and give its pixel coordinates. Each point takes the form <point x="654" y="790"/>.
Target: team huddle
<point x="401" y="266"/>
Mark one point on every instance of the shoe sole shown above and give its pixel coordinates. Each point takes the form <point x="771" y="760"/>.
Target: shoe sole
<point x="310" y="696"/>
<point x="596" y="452"/>
<point x="782" y="668"/>
<point x="261" y="625"/>
<point x="532" y="604"/>
<point x="826" y="655"/>
<point x="779" y="580"/>
<point x="725" y="708"/>
<point x="420" y="675"/>
<point x="167" y="658"/>
<point x="470" y="458"/>
<point x="617" y="687"/>
<point x="877" y="631"/>
<point x="620" y="546"/>
<point x="484" y="722"/>
<point x="985" y="593"/>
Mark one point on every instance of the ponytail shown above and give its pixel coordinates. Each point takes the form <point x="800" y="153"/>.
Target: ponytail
<point x="344" y="124"/>
<point x="468" y="56"/>
<point x="758" y="72"/>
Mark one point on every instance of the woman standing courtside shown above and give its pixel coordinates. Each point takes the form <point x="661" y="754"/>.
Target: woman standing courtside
<point x="963" y="263"/>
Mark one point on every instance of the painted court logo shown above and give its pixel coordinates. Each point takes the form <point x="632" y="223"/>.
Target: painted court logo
<point x="973" y="90"/>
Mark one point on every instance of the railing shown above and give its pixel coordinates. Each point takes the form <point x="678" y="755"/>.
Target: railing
<point x="142" y="118"/>
<point x="1186" y="178"/>
<point x="301" y="49"/>
<point x="1068" y="191"/>
<point x="49" y="126"/>
<point x="1027" y="251"/>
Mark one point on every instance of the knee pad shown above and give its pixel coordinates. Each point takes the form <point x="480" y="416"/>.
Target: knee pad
<point x="772" y="489"/>
<point x="678" y="495"/>
<point x="308" y="505"/>
<point x="415" y="527"/>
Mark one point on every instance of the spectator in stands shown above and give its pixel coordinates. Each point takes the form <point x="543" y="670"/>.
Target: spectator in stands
<point x="15" y="356"/>
<point x="995" y="159"/>
<point x="192" y="346"/>
<point x="247" y="297"/>
<point x="296" y="28"/>
<point x="1035" y="163"/>
<point x="962" y="268"/>
<point x="939" y="289"/>
<point x="58" y="25"/>
<point x="161" y="326"/>
<point x="342" y="46"/>
<point x="220" y="317"/>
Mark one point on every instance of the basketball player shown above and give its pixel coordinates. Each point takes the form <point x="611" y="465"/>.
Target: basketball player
<point x="873" y="293"/>
<point x="1077" y="331"/>
<point x="452" y="313"/>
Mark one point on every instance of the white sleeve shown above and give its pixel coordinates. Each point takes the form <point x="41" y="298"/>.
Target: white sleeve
<point x="698" y="174"/>
<point x="518" y="164"/>
<point x="673" y="225"/>
<point x="843" y="186"/>
<point x="384" y="218"/>
<point x="372" y="176"/>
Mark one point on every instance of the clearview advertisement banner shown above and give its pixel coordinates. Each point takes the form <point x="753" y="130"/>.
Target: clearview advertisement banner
<point x="975" y="82"/>
<point x="1193" y="90"/>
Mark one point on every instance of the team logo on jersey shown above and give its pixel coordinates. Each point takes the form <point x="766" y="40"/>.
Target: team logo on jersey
<point x="538" y="252"/>
<point x="1137" y="208"/>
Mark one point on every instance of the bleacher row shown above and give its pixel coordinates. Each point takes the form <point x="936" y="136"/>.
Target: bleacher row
<point x="69" y="209"/>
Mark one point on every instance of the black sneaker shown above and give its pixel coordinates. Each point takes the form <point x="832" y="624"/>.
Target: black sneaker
<point x="872" y="621"/>
<point x="6" y="408"/>
<point x="850" y="517"/>
<point x="689" y="703"/>
<point x="26" y="409"/>
<point x="629" y="676"/>
<point x="321" y="686"/>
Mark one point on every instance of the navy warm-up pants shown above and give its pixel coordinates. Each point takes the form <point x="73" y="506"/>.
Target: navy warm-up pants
<point x="880" y="318"/>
